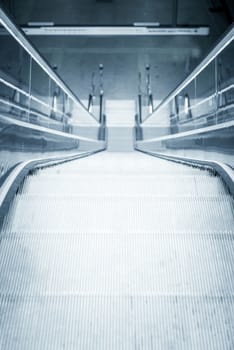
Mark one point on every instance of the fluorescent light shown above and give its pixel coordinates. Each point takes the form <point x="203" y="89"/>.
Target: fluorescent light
<point x="149" y="30"/>
<point x="39" y="24"/>
<point x="146" y="24"/>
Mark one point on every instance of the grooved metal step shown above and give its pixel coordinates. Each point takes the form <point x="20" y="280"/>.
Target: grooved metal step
<point x="120" y="214"/>
<point x="105" y="322"/>
<point x="118" y="252"/>
<point x="156" y="184"/>
<point x="104" y="264"/>
<point x="121" y="163"/>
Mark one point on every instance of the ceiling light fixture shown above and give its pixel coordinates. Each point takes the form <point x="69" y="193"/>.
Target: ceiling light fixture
<point x="135" y="30"/>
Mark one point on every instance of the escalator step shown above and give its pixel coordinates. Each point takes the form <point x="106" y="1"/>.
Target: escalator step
<point x="120" y="214"/>
<point x="118" y="251"/>
<point x="125" y="184"/>
<point x="103" y="322"/>
<point x="115" y="264"/>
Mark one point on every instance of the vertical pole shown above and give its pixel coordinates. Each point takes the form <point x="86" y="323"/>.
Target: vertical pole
<point x="147" y="68"/>
<point x="92" y="93"/>
<point x="30" y="87"/>
<point x="148" y="89"/>
<point x="49" y="95"/>
<point x="177" y="108"/>
<point x="138" y="117"/>
<point x="139" y="109"/>
<point x="90" y="103"/>
<point x="101" y="68"/>
<point x="151" y="103"/>
<point x="101" y="109"/>
<point x="102" y="117"/>
<point x="216" y="91"/>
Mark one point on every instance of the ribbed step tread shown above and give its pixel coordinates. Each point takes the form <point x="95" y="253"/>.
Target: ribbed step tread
<point x="76" y="170"/>
<point x="131" y="163"/>
<point x="120" y="214"/>
<point x="115" y="260"/>
<point x="101" y="264"/>
<point x="104" y="323"/>
<point x="159" y="185"/>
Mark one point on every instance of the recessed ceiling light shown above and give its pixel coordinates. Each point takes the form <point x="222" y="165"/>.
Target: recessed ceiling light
<point x="40" y="24"/>
<point x="146" y="24"/>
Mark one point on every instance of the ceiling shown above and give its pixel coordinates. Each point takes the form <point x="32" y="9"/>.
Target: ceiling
<point x="98" y="12"/>
<point x="170" y="58"/>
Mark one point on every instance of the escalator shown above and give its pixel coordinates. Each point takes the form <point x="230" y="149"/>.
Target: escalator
<point x="118" y="251"/>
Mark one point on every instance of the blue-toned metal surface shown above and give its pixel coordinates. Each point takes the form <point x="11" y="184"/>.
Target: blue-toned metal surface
<point x="40" y="116"/>
<point x="197" y="119"/>
<point x="118" y="251"/>
<point x="32" y="76"/>
<point x="211" y="144"/>
<point x="21" y="141"/>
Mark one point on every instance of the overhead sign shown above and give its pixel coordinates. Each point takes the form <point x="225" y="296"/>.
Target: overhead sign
<point x="140" y="30"/>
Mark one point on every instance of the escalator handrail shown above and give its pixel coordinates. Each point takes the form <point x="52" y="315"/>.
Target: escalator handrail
<point x="21" y="38"/>
<point x="215" y="51"/>
<point x="222" y="169"/>
<point x="191" y="132"/>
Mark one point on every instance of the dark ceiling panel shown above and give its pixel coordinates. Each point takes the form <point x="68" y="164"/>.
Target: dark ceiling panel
<point x="104" y="1"/>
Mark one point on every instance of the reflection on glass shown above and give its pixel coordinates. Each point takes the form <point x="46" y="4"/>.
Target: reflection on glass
<point x="200" y="113"/>
<point x="226" y="85"/>
<point x="29" y="90"/>
<point x="185" y="102"/>
<point x="39" y="108"/>
<point x="14" y="78"/>
<point x="205" y="101"/>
